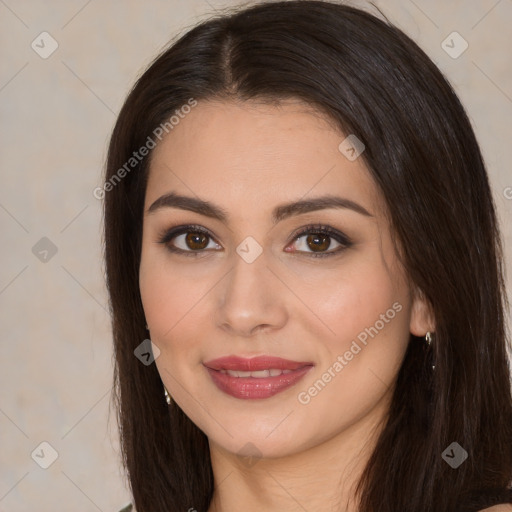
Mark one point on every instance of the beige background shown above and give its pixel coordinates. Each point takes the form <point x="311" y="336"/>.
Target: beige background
<point x="56" y="115"/>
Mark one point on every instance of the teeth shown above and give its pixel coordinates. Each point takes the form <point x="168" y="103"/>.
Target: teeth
<point x="258" y="374"/>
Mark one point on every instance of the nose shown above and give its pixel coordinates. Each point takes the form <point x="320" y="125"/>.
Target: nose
<point x="251" y="299"/>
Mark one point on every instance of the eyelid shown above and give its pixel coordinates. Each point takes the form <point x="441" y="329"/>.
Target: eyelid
<point x="324" y="229"/>
<point x="168" y="234"/>
<point x="341" y="238"/>
<point x="331" y="232"/>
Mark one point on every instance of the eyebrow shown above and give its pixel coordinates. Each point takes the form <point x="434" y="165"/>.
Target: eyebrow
<point x="280" y="212"/>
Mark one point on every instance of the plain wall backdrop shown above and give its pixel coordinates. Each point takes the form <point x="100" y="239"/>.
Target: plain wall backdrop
<point x="56" y="114"/>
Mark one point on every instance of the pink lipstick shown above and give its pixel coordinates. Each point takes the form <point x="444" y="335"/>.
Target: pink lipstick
<point x="257" y="377"/>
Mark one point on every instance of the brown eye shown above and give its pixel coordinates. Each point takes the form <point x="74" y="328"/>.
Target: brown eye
<point x="189" y="240"/>
<point x="318" y="242"/>
<point x="196" y="241"/>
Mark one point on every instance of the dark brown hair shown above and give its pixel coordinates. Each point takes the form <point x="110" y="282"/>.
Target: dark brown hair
<point x="371" y="80"/>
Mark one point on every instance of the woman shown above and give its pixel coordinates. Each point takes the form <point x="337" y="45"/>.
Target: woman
<point x="298" y="216"/>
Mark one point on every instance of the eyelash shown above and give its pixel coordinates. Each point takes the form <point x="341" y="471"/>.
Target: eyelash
<point x="316" y="229"/>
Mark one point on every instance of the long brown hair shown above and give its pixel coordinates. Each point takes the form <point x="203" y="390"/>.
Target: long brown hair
<point x="372" y="80"/>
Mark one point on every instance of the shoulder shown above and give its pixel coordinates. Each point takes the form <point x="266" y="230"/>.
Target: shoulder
<point x="128" y="508"/>
<point x="499" y="508"/>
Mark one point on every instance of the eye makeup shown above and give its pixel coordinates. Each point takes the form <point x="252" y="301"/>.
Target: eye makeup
<point x="319" y="235"/>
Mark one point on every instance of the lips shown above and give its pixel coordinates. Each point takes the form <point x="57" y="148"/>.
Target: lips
<point x="254" y="364"/>
<point x="257" y="377"/>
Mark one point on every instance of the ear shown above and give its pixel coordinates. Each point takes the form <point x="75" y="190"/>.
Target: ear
<point x="422" y="316"/>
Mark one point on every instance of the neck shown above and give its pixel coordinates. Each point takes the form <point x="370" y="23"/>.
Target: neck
<point x="323" y="477"/>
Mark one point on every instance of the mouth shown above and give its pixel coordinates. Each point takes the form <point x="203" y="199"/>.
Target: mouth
<point x="257" y="377"/>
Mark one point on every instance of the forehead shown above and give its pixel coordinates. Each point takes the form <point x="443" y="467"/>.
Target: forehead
<point x="249" y="155"/>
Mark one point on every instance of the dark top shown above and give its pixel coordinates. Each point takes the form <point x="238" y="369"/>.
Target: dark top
<point x="485" y="500"/>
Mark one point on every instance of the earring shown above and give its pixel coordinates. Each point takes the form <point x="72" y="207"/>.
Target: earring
<point x="167" y="396"/>
<point x="429" y="338"/>
<point x="147" y="328"/>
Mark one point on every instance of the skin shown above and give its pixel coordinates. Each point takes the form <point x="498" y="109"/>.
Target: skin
<point x="247" y="158"/>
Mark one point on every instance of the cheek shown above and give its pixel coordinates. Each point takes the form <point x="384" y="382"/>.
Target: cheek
<point x="175" y="299"/>
<point x="159" y="299"/>
<point x="348" y="302"/>
<point x="170" y="296"/>
<point x="172" y="302"/>
<point x="366" y="314"/>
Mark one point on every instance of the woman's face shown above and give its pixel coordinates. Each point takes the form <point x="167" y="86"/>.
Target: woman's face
<point x="252" y="272"/>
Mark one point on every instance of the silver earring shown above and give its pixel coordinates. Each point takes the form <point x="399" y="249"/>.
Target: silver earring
<point x="167" y="396"/>
<point x="429" y="338"/>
